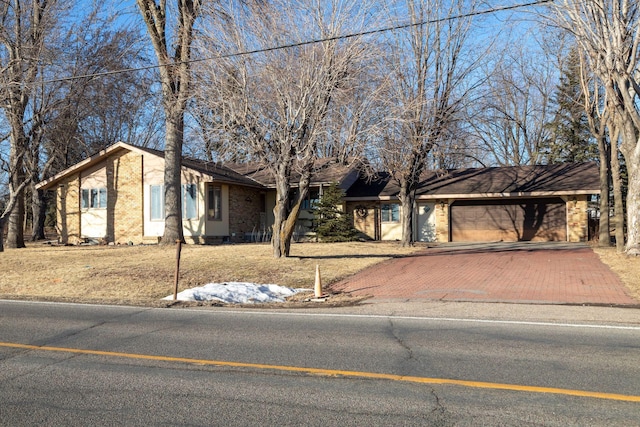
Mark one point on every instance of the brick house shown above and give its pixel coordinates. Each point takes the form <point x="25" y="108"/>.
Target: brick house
<point x="117" y="196"/>
<point x="518" y="203"/>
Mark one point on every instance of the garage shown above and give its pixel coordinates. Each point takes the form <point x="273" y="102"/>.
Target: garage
<point x="531" y="219"/>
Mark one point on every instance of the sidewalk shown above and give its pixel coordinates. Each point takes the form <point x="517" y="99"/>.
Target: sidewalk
<point x="527" y="273"/>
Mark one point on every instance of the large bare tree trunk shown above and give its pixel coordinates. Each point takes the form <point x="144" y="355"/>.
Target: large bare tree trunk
<point x="604" y="237"/>
<point x="175" y="77"/>
<point x="15" y="225"/>
<point x="285" y="218"/>
<point x="618" y="204"/>
<point x="631" y="151"/>
<point x="172" y="180"/>
<point x="406" y="214"/>
<point x="39" y="211"/>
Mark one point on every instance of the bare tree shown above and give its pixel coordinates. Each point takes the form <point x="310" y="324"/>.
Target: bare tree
<point x="597" y="112"/>
<point x="428" y="66"/>
<point x="272" y="106"/>
<point x="609" y="34"/>
<point x="80" y="115"/>
<point x="509" y="120"/>
<point x="24" y="27"/>
<point x="174" y="58"/>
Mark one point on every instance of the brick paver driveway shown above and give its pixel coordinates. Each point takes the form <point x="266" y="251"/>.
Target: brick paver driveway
<point x="551" y="273"/>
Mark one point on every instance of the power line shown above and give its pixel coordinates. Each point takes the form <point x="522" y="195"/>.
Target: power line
<point x="305" y="43"/>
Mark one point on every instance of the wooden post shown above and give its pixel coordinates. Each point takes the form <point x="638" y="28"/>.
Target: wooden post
<point x="178" y="249"/>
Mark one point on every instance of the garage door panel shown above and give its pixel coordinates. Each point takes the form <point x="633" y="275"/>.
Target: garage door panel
<point x="524" y="220"/>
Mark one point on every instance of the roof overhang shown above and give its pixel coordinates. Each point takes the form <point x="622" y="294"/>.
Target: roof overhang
<point x="519" y="195"/>
<point x="87" y="163"/>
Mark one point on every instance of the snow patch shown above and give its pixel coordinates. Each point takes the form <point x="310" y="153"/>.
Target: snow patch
<point x="237" y="293"/>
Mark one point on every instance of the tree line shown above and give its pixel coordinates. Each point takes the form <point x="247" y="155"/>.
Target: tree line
<point x="401" y="86"/>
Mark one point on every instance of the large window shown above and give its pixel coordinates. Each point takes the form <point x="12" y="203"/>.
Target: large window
<point x="390" y="212"/>
<point x="157" y="202"/>
<point x="189" y="201"/>
<point x="214" y="202"/>
<point x="189" y="195"/>
<point x="94" y="198"/>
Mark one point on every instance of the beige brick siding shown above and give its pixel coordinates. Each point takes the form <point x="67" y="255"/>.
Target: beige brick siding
<point x="577" y="219"/>
<point x="442" y="221"/>
<point x="124" y="198"/>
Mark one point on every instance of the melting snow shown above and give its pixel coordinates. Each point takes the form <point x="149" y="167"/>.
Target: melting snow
<point x="237" y="293"/>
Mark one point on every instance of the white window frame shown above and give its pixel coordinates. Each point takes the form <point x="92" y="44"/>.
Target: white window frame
<point x="157" y="191"/>
<point x="188" y="196"/>
<point x="93" y="198"/>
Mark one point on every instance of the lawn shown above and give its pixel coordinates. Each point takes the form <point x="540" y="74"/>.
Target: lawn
<point x="145" y="274"/>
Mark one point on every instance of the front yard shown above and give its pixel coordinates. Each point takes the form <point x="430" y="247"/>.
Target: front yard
<point x="144" y="274"/>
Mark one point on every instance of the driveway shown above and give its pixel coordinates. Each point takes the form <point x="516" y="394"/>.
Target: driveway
<point x="539" y="273"/>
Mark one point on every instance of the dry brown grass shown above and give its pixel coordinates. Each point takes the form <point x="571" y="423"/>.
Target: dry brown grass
<point x="627" y="268"/>
<point x="142" y="274"/>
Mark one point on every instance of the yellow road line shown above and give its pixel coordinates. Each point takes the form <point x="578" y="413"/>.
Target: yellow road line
<point x="335" y="372"/>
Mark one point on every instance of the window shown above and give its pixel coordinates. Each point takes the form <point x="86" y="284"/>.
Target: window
<point x="188" y="194"/>
<point x="189" y="201"/>
<point x="312" y="199"/>
<point x="390" y="212"/>
<point x="157" y="202"/>
<point x="93" y="198"/>
<point x="214" y="203"/>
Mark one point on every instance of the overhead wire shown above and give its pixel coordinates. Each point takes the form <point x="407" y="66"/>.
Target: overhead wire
<point x="303" y="43"/>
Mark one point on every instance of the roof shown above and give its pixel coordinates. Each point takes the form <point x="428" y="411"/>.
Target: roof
<point x="326" y="171"/>
<point x="512" y="181"/>
<point x="215" y="171"/>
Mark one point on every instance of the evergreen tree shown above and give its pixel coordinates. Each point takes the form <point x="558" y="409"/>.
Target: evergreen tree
<point x="331" y="224"/>
<point x="572" y="140"/>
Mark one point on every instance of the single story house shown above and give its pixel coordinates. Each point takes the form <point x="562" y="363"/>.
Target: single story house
<point x="517" y="203"/>
<point x="117" y="196"/>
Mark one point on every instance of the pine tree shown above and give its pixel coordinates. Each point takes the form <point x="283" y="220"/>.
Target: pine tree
<point x="331" y="224"/>
<point x="571" y="139"/>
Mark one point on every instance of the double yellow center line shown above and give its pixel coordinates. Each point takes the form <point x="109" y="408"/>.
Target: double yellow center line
<point x="334" y="372"/>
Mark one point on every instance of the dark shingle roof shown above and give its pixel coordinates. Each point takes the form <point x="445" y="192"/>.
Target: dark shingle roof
<point x="541" y="179"/>
<point x="326" y="171"/>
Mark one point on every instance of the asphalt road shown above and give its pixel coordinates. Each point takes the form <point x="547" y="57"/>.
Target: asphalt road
<point x="64" y="364"/>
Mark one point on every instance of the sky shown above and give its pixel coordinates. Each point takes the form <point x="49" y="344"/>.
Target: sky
<point x="237" y="293"/>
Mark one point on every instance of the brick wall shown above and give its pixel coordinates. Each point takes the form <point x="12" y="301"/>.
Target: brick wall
<point x="577" y="219"/>
<point x="245" y="205"/>
<point x="442" y="221"/>
<point x="124" y="196"/>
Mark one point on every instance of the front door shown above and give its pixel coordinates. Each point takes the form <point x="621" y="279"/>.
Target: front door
<point x="426" y="222"/>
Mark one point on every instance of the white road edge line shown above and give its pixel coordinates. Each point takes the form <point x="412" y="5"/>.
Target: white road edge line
<point x="344" y="315"/>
